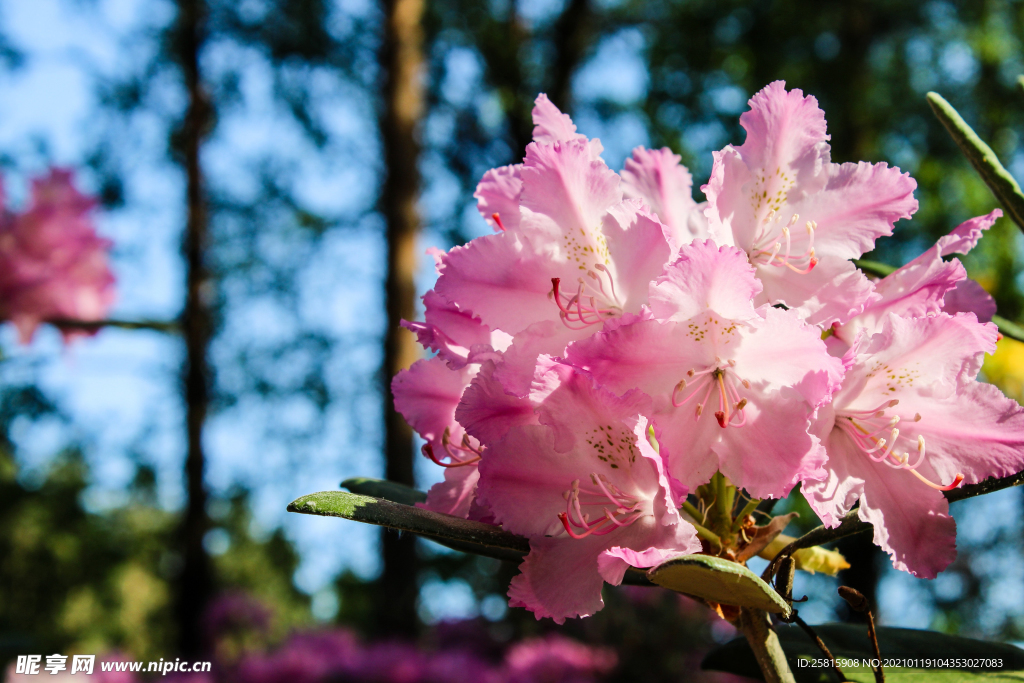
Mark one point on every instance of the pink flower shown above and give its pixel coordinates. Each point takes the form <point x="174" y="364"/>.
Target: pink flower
<point x="587" y="489"/>
<point x="500" y="190"/>
<point x="579" y="255"/>
<point x="656" y="177"/>
<point x="427" y="395"/>
<point x="733" y="388"/>
<point x="909" y="422"/>
<point x="799" y="217"/>
<point x="556" y="659"/>
<point x="923" y="286"/>
<point x="52" y="262"/>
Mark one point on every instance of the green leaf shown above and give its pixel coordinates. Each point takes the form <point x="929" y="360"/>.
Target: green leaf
<point x="981" y="156"/>
<point x="454" y="532"/>
<point x="850" y="641"/>
<point x="388" y="490"/>
<point x="716" y="579"/>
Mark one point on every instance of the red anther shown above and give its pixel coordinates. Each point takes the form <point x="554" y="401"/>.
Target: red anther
<point x="497" y="219"/>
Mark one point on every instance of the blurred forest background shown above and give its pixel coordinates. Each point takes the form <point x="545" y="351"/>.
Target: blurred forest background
<point x="272" y="173"/>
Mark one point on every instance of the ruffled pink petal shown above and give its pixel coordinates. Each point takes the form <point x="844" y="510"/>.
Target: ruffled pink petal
<point x="497" y="194"/>
<point x="978" y="432"/>
<point x="501" y="280"/>
<point x="969" y="297"/>
<point x="668" y="542"/>
<point x="550" y="125"/>
<point x="936" y="355"/>
<point x="914" y="528"/>
<point x="457" y="336"/>
<point x="656" y="177"/>
<point x="834" y="494"/>
<point x="638" y="252"/>
<point x="915" y="290"/>
<point x="488" y="411"/>
<point x="706" y="277"/>
<point x="966" y="235"/>
<point x="783" y="351"/>
<point x="911" y="521"/>
<point x="559" y="579"/>
<point x="454" y="495"/>
<point x="782" y="160"/>
<point x="859" y="204"/>
<point x="427" y="394"/>
<point x="522" y="479"/>
<point x="772" y="451"/>
<point x="834" y="291"/>
<point x="565" y="195"/>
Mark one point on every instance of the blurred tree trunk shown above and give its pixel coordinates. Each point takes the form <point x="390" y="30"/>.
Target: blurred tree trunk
<point x="573" y="34"/>
<point x="401" y="61"/>
<point x="194" y="586"/>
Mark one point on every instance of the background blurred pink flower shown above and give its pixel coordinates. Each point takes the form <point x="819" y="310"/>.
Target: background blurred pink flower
<point x="52" y="263"/>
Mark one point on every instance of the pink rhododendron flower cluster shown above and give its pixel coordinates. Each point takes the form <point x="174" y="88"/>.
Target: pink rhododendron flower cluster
<point x="614" y="344"/>
<point x="52" y="263"/>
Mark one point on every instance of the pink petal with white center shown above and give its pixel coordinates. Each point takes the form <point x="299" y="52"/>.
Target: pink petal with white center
<point x="835" y="290"/>
<point x="969" y="297"/>
<point x="427" y="393"/>
<point x="454" y="495"/>
<point x="705" y="277"/>
<point x="656" y="177"/>
<point x="911" y="521"/>
<point x="859" y="204"/>
<point x="565" y="195"/>
<point x="497" y="197"/>
<point x="782" y="160"/>
<point x="638" y="252"/>
<point x="978" y="432"/>
<point x="937" y="355"/>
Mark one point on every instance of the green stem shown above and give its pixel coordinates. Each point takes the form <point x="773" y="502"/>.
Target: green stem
<point x="981" y="156"/>
<point x="757" y="629"/>
<point x="170" y="327"/>
<point x="747" y="510"/>
<point x="702" y="531"/>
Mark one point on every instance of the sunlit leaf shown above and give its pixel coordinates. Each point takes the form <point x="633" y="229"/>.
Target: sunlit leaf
<point x="850" y="641"/>
<point x="716" y="579"/>
<point x="816" y="559"/>
<point x="454" y="532"/>
<point x="388" y="490"/>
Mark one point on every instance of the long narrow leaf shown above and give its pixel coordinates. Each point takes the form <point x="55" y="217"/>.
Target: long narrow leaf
<point x="981" y="156"/>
